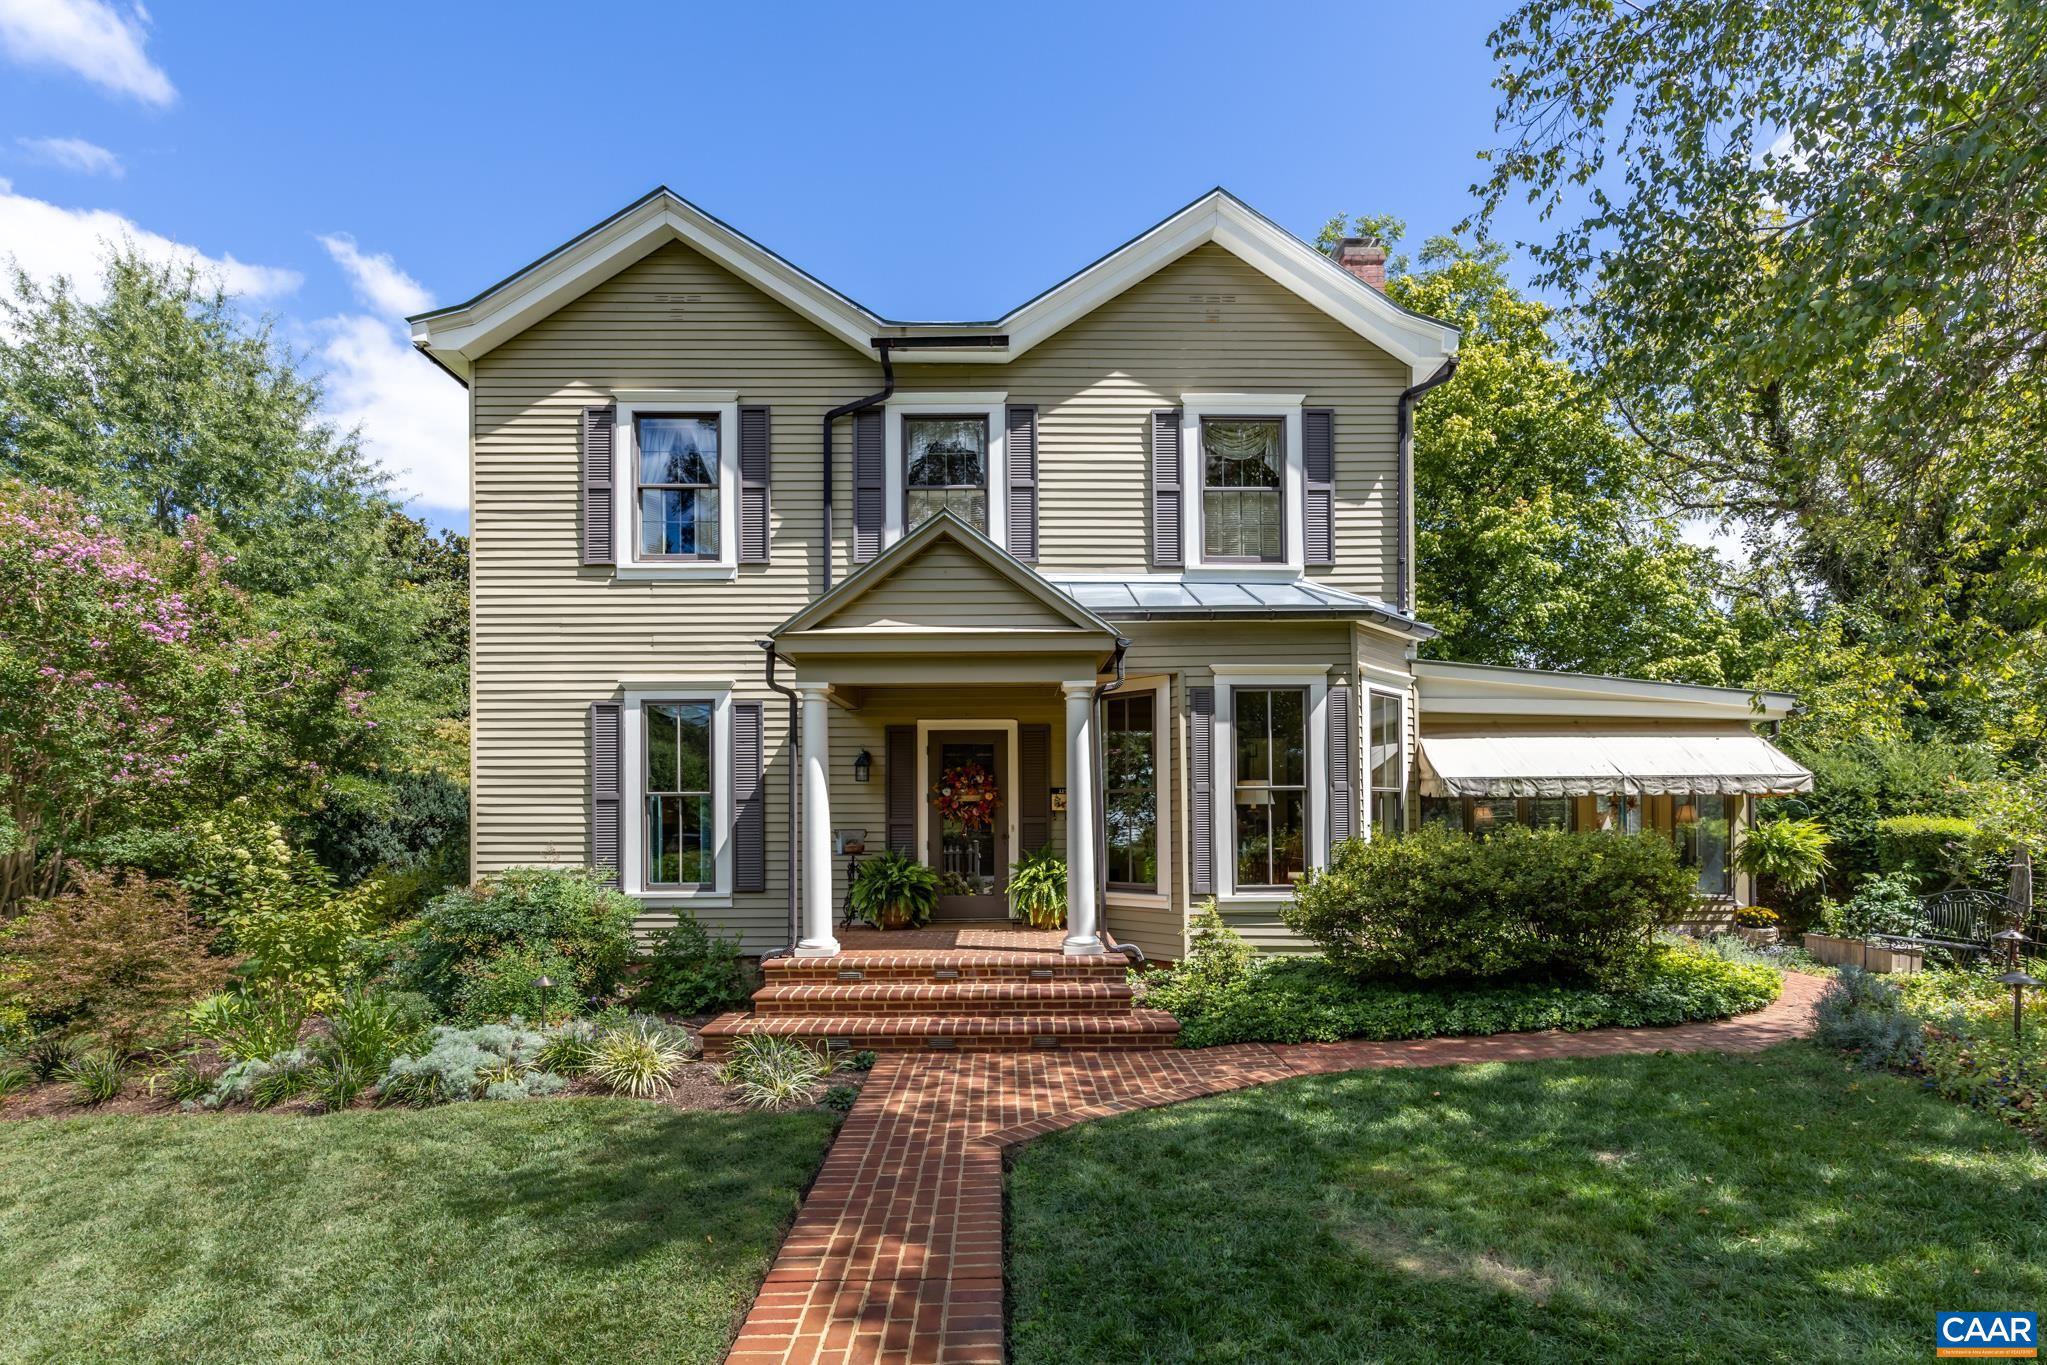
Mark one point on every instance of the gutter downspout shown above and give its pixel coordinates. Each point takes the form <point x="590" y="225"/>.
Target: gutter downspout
<point x="793" y="744"/>
<point x="872" y="400"/>
<point x="1405" y="476"/>
<point x="1101" y="803"/>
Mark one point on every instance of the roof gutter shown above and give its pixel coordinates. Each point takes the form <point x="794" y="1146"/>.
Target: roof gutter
<point x="1404" y="513"/>
<point x="884" y="345"/>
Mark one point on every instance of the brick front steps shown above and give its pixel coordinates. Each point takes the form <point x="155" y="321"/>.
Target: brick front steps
<point x="945" y="999"/>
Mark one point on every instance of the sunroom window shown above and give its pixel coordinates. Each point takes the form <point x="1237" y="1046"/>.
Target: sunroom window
<point x="677" y="834"/>
<point x="1242" y="505"/>
<point x="1271" y="795"/>
<point x="1130" y="748"/>
<point x="676" y="485"/>
<point x="945" y="468"/>
<point x="1388" y="794"/>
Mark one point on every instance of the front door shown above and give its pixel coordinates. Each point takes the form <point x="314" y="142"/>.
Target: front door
<point x="970" y="853"/>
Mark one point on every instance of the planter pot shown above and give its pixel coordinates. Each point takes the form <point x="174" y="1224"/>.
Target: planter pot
<point x="1834" y="951"/>
<point x="1759" y="937"/>
<point x="1853" y="952"/>
<point x="1900" y="961"/>
<point x="895" y="917"/>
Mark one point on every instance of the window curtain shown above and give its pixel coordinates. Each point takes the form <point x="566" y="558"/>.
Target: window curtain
<point x="1242" y="454"/>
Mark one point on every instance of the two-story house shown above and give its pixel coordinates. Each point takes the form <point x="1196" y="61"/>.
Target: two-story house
<point x="757" y="572"/>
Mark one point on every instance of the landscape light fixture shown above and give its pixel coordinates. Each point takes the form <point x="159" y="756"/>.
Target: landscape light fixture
<point x="2018" y="981"/>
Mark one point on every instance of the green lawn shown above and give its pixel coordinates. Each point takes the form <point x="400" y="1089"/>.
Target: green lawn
<point x="531" y="1231"/>
<point x="1772" y="1207"/>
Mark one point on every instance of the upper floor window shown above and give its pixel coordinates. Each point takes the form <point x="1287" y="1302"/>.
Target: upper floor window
<point x="1130" y="773"/>
<point x="1243" y="502"/>
<point x="1271" y="770"/>
<point x="676" y="485"/>
<point x="945" y="468"/>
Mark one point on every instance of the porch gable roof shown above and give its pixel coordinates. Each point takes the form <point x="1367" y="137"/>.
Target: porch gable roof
<point x="945" y="586"/>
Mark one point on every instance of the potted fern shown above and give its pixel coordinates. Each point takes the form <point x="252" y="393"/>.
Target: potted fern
<point x="894" y="891"/>
<point x="1037" y="889"/>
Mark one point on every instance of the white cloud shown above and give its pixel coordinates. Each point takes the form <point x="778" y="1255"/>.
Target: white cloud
<point x="377" y="279"/>
<point x="89" y="38"/>
<point x="414" y="420"/>
<point x="73" y="154"/>
<point x="47" y="240"/>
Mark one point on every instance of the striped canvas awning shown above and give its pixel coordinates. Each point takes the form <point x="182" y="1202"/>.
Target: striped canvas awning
<point x="1589" y="763"/>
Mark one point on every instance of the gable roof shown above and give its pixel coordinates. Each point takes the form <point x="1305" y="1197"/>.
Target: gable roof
<point x="879" y="601"/>
<point x="457" y="335"/>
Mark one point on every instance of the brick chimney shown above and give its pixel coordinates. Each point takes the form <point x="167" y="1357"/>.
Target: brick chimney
<point x="1364" y="257"/>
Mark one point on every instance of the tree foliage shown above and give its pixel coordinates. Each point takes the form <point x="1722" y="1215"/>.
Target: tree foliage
<point x="1806" y="241"/>
<point x="1542" y="537"/>
<point x="137" y="686"/>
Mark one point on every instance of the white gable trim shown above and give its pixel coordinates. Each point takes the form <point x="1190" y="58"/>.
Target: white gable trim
<point x="457" y="336"/>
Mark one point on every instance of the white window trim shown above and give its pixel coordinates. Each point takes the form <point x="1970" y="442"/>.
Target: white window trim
<point x="1293" y="481"/>
<point x="1228" y="678"/>
<point x="995" y="406"/>
<point x="1161" y="688"/>
<point x="632" y="834"/>
<point x="925" y="781"/>
<point x="625" y="480"/>
<point x="1370" y="690"/>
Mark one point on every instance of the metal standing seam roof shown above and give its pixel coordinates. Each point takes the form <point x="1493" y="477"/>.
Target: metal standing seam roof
<point x="1143" y="597"/>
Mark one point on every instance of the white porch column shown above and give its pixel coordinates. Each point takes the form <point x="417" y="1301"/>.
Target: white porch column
<point x="1081" y="931"/>
<point x="817" y="940"/>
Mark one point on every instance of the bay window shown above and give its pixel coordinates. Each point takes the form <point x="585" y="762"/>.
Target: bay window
<point x="1384" y="771"/>
<point x="677" y="813"/>
<point x="1270" y="726"/>
<point x="945" y="469"/>
<point x="676" y="493"/>
<point x="1243" y="502"/>
<point x="1130" y="775"/>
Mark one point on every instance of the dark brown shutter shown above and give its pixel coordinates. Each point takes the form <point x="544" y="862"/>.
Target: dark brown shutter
<point x="1021" y="451"/>
<point x="756" y="471"/>
<point x="1166" y="550"/>
<point x="869" y="497"/>
<point x="899" y="760"/>
<point x="1033" y="787"/>
<point x="600" y="427"/>
<point x="1342" y="762"/>
<point x="607" y="785"/>
<point x="1318" y="460"/>
<point x="749" y="800"/>
<point x="1201" y="762"/>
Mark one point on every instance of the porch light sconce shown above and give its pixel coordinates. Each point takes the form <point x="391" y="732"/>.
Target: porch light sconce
<point x="863" y="766"/>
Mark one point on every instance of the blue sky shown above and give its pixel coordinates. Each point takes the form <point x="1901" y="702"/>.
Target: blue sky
<point x="344" y="164"/>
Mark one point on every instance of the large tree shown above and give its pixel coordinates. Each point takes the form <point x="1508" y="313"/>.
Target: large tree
<point x="1541" y="537"/>
<point x="154" y="399"/>
<point x="1805" y="240"/>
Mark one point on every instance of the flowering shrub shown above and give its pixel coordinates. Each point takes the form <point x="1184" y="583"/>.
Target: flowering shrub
<point x="133" y="680"/>
<point x="1757" y="917"/>
<point x="569" y="914"/>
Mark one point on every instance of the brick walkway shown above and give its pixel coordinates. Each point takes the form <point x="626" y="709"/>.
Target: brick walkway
<point x="897" y="1252"/>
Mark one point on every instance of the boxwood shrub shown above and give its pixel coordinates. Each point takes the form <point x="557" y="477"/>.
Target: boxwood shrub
<point x="550" y="919"/>
<point x="1310" y="1000"/>
<point x="1436" y="906"/>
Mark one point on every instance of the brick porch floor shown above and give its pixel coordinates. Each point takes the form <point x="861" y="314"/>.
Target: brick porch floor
<point x="897" y="1252"/>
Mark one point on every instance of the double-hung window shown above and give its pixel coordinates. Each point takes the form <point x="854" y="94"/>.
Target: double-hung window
<point x="945" y="469"/>
<point x="1271" y="786"/>
<point x="1243" y="499"/>
<point x="677" y="843"/>
<point x="1130" y="772"/>
<point x="675" y="503"/>
<point x="1384" y="767"/>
